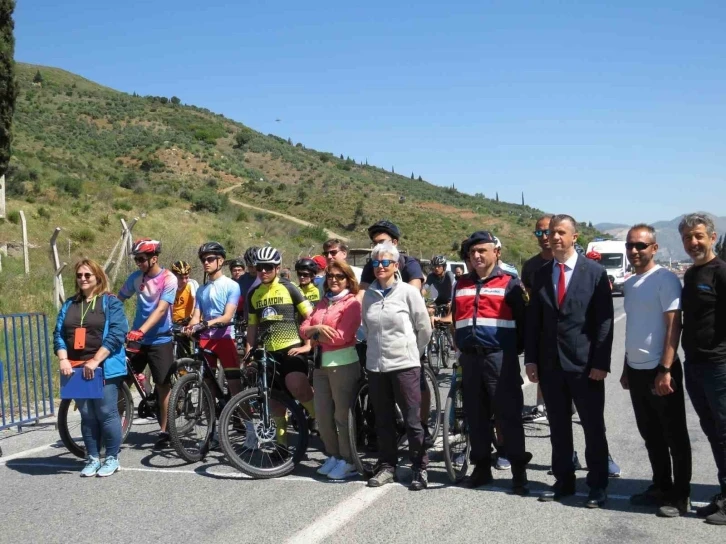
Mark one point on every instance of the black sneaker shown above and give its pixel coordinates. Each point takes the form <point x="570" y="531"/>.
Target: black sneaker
<point x="482" y="475"/>
<point x="719" y="516"/>
<point x="711" y="508"/>
<point x="673" y="508"/>
<point x="383" y="476"/>
<point x="652" y="496"/>
<point x="162" y="442"/>
<point x="519" y="481"/>
<point x="420" y="480"/>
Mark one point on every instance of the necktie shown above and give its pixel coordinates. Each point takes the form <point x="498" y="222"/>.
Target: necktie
<point x="561" y="289"/>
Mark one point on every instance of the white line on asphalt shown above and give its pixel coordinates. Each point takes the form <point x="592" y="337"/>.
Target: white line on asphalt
<point x="621" y="316"/>
<point x="328" y="524"/>
<point x="25" y="453"/>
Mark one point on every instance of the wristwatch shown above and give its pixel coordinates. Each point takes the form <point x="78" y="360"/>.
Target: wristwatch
<point x="664" y="369"/>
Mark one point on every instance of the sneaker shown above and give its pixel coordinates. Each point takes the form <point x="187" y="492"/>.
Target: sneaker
<point x="162" y="442"/>
<point x="613" y="468"/>
<point x="673" y="508"/>
<point x="502" y="463"/>
<point x="650" y="497"/>
<point x="383" y="476"/>
<point x="91" y="467"/>
<point x="342" y="471"/>
<point x="710" y="508"/>
<point x="327" y="466"/>
<point x="481" y="475"/>
<point x="719" y="516"/>
<point x="535" y="415"/>
<point x="214" y="442"/>
<point x="110" y="465"/>
<point x="420" y="480"/>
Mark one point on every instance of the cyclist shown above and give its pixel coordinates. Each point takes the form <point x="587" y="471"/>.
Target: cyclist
<point x="216" y="302"/>
<point x="236" y="268"/>
<point x="335" y="250"/>
<point x="508" y="268"/>
<point x="186" y="291"/>
<point x="155" y="289"/>
<point x="322" y="263"/>
<point x="276" y="306"/>
<point x="246" y="280"/>
<point x="306" y="269"/>
<point x="439" y="283"/>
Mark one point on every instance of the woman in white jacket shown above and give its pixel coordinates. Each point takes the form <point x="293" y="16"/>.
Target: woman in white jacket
<point x="398" y="328"/>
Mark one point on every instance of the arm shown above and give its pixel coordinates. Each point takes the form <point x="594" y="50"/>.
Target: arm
<point x="251" y="337"/>
<point x="415" y="283"/>
<point x="59" y="344"/>
<point x="118" y="327"/>
<point x="516" y="298"/>
<point x="672" y="321"/>
<point x="347" y="326"/>
<point x="533" y="326"/>
<point x="157" y="315"/>
<point x="420" y="321"/>
<point x="602" y="315"/>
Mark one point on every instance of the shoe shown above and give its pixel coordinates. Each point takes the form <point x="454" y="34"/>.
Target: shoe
<point x="613" y="468"/>
<point x="575" y="464"/>
<point x="162" y="442"/>
<point x="650" y="497"/>
<point x="519" y="481"/>
<point x="596" y="498"/>
<point x="251" y="441"/>
<point x="428" y="439"/>
<point x="673" y="508"/>
<point x="110" y="465"/>
<point x="327" y="466"/>
<point x="718" y="517"/>
<point x="91" y="467"/>
<point x="502" y="463"/>
<point x="481" y="475"/>
<point x="383" y="476"/>
<point x="343" y="470"/>
<point x="214" y="442"/>
<point x="558" y="491"/>
<point x="710" y="508"/>
<point x="535" y="415"/>
<point x="420" y="480"/>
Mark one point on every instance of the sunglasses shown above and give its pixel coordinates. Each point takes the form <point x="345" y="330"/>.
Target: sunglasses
<point x="339" y="277"/>
<point x="303" y="275"/>
<point x="639" y="246"/>
<point x="139" y="260"/>
<point x="265" y="267"/>
<point x="209" y="259"/>
<point x="86" y="275"/>
<point x="384" y="262"/>
<point x="332" y="252"/>
<point x="541" y="233"/>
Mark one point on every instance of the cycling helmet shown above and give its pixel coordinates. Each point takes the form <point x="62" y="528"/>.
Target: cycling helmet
<point x="181" y="267"/>
<point x="306" y="264"/>
<point x="236" y="263"/>
<point x="579" y="249"/>
<point x="384" y="226"/>
<point x="497" y="243"/>
<point x="211" y="248"/>
<point x="250" y="255"/>
<point x="594" y="255"/>
<point x="268" y="255"/>
<point x="146" y="245"/>
<point x="439" y="260"/>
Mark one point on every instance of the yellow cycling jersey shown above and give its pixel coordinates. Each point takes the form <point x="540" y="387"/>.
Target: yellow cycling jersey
<point x="311" y="292"/>
<point x="275" y="307"/>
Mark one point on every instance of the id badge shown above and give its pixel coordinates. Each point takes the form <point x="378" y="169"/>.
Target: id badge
<point x="79" y="338"/>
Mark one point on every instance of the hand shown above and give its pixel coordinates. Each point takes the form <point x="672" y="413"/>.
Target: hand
<point x="598" y="375"/>
<point x="65" y="368"/>
<point x="135" y="336"/>
<point x="326" y="332"/>
<point x="532" y="373"/>
<point x="663" y="382"/>
<point x="624" y="383"/>
<point x="298" y="351"/>
<point x="89" y="369"/>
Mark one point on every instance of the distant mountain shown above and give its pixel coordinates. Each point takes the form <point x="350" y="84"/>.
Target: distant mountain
<point x="669" y="241"/>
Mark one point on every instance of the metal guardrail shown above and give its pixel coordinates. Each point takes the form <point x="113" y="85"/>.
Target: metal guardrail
<point x="26" y="383"/>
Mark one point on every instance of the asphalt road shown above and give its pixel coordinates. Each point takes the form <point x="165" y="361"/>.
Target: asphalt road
<point x="158" y="498"/>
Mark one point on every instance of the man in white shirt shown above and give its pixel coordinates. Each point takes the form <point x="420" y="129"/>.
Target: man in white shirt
<point x="654" y="375"/>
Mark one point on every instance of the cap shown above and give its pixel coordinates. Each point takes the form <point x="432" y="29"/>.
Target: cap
<point x="321" y="261"/>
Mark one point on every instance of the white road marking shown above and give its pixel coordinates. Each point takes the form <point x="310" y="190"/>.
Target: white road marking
<point x="621" y="316"/>
<point x="331" y="522"/>
<point x="25" y="453"/>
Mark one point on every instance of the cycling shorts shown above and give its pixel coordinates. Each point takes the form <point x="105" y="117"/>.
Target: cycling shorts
<point x="287" y="364"/>
<point x="224" y="350"/>
<point x="159" y="357"/>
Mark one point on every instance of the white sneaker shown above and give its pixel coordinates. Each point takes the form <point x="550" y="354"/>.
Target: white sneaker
<point x="329" y="464"/>
<point x="343" y="470"/>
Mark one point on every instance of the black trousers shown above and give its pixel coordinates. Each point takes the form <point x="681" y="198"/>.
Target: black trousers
<point x="402" y="387"/>
<point x="492" y="387"/>
<point x="560" y="389"/>
<point x="662" y="424"/>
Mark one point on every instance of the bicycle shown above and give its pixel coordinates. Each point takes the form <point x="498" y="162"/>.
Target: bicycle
<point x="248" y="431"/>
<point x="457" y="446"/>
<point x="439" y="347"/>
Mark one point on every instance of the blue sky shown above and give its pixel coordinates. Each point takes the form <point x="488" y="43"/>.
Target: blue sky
<point x="604" y="110"/>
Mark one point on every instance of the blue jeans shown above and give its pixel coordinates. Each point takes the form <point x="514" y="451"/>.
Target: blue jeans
<point x="706" y="385"/>
<point x="100" y="420"/>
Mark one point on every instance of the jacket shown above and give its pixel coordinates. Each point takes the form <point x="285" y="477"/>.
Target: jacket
<point x="397" y="326"/>
<point x="114" y="335"/>
<point x="344" y="316"/>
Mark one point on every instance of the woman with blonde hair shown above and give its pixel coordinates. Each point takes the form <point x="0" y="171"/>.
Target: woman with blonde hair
<point x="90" y="333"/>
<point x="333" y="325"/>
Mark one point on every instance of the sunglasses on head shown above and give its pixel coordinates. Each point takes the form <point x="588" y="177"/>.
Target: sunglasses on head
<point x="209" y="259"/>
<point x="339" y="277"/>
<point x="385" y="263"/>
<point x="332" y="252"/>
<point x="265" y="267"/>
<point x="86" y="275"/>
<point x="540" y="233"/>
<point x="639" y="246"/>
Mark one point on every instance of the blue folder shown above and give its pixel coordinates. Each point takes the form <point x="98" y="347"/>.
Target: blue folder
<point x="76" y="386"/>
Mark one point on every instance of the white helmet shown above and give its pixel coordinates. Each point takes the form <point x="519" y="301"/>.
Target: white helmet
<point x="497" y="243"/>
<point x="268" y="255"/>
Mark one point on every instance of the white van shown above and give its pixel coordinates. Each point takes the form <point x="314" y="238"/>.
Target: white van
<point x="452" y="265"/>
<point x="614" y="261"/>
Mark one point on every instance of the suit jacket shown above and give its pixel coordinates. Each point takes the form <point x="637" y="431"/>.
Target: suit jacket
<point x="578" y="336"/>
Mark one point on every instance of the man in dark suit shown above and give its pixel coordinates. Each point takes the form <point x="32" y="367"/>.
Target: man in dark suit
<point x="569" y="340"/>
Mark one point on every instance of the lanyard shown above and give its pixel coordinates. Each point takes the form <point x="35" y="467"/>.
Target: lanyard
<point x="91" y="304"/>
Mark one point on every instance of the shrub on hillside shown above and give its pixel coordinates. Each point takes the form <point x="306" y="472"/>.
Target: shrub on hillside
<point x="122" y="205"/>
<point x="85" y="235"/>
<point x="241" y="216"/>
<point x="14" y="217"/>
<point x="318" y="234"/>
<point x="69" y="185"/>
<point x="209" y="201"/>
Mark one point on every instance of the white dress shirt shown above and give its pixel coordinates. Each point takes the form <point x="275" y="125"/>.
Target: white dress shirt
<point x="569" y="267"/>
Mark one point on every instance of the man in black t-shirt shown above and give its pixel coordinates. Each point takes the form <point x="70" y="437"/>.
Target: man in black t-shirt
<point x="704" y="342"/>
<point x="410" y="269"/>
<point x="440" y="283"/>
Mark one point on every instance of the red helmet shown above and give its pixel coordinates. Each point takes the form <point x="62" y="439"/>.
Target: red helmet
<point x="146" y="245"/>
<point x="594" y="255"/>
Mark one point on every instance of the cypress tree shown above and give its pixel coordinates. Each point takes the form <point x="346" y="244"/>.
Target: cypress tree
<point x="8" y="85"/>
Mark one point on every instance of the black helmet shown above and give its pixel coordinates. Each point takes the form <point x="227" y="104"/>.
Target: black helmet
<point x="478" y="237"/>
<point x="306" y="265"/>
<point x="384" y="226"/>
<point x="439" y="260"/>
<point x="236" y="262"/>
<point x="268" y="255"/>
<point x="251" y="255"/>
<point x="211" y="248"/>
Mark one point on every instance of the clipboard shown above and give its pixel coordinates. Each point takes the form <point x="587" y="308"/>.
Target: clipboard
<point x="76" y="386"/>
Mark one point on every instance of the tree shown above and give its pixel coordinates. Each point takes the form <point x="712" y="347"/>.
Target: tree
<point x="175" y="100"/>
<point x="392" y="170"/>
<point x="289" y="141"/>
<point x="341" y="157"/>
<point x="412" y="175"/>
<point x="522" y="198"/>
<point x="38" y="78"/>
<point x="419" y="178"/>
<point x="8" y="85"/>
<point x="497" y="196"/>
<point x="720" y="250"/>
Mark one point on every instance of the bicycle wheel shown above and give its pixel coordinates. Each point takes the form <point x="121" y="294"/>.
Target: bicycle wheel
<point x="456" y="437"/>
<point x="253" y="446"/>
<point x="69" y="424"/>
<point x="434" y="420"/>
<point x="444" y="349"/>
<point x="191" y="417"/>
<point x="362" y="431"/>
<point x="432" y="353"/>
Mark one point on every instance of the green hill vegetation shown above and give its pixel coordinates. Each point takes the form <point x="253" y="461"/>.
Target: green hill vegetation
<point x="85" y="156"/>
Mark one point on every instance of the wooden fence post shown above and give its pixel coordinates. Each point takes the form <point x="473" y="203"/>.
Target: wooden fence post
<point x="2" y="195"/>
<point x="59" y="295"/>
<point x="25" y="242"/>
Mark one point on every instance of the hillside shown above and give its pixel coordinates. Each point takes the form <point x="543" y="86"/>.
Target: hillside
<point x="86" y="155"/>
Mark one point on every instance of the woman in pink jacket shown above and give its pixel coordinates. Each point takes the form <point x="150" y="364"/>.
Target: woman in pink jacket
<point x="333" y="325"/>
